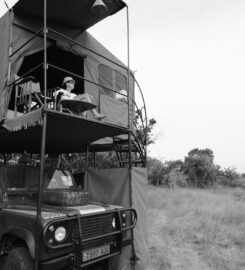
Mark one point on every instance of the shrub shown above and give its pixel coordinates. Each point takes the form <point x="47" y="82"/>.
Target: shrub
<point x="177" y="178"/>
<point x="155" y="170"/>
<point x="199" y="168"/>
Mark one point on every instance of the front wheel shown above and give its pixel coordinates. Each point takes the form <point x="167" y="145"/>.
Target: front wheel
<point x="18" y="259"/>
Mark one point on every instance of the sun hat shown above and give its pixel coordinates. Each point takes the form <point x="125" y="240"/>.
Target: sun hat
<point x="67" y="79"/>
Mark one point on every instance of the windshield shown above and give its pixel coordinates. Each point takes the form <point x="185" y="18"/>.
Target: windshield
<point x="61" y="179"/>
<point x="21" y="180"/>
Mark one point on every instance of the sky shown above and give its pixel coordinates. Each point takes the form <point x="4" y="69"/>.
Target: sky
<point x="189" y="59"/>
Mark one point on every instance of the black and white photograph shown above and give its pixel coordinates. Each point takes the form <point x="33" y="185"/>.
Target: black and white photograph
<point x="122" y="145"/>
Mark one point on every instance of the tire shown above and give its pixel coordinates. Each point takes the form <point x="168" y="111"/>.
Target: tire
<point x="113" y="263"/>
<point x="18" y="259"/>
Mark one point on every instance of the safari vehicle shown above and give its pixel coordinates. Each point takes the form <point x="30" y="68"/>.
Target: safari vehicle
<point x="73" y="231"/>
<point x="76" y="211"/>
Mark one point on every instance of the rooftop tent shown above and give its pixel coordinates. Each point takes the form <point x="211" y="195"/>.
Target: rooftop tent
<point x="95" y="66"/>
<point x="60" y="52"/>
<point x="89" y="58"/>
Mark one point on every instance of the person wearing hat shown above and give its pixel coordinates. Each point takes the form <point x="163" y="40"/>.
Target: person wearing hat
<point x="68" y="85"/>
<point x="122" y="95"/>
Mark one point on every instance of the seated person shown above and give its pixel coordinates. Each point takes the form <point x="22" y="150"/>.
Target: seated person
<point x="66" y="93"/>
<point x="122" y="95"/>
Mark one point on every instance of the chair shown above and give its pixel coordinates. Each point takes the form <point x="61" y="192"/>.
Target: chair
<point x="24" y="89"/>
<point x="39" y="98"/>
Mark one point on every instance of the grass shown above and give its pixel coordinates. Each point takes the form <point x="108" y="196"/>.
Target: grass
<point x="196" y="229"/>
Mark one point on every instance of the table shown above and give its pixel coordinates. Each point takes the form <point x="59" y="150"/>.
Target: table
<point x="77" y="106"/>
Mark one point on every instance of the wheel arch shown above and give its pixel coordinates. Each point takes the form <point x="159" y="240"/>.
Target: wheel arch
<point x="16" y="235"/>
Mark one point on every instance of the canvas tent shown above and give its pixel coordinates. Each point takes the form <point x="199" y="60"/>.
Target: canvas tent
<point x="97" y="71"/>
<point x="76" y="54"/>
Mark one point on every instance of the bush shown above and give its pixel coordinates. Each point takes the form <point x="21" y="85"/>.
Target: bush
<point x="228" y="177"/>
<point x="176" y="178"/>
<point x="155" y="170"/>
<point x="199" y="168"/>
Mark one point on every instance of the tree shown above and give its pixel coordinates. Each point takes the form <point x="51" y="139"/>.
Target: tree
<point x="155" y="170"/>
<point x="172" y="168"/>
<point x="173" y="165"/>
<point x="200" y="152"/>
<point x="199" y="167"/>
<point x="159" y="172"/>
<point x="229" y="176"/>
<point x="144" y="132"/>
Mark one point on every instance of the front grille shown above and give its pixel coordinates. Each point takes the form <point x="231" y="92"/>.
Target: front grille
<point x="92" y="226"/>
<point x="95" y="226"/>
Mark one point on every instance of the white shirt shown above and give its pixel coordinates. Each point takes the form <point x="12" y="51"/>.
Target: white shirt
<point x="65" y="94"/>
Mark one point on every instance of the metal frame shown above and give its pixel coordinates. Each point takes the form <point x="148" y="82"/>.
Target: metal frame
<point x="43" y="142"/>
<point x="44" y="32"/>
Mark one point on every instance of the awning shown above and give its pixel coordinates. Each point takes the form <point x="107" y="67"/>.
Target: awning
<point x="76" y="13"/>
<point x="65" y="133"/>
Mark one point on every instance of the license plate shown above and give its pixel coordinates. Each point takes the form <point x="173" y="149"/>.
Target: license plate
<point x="95" y="252"/>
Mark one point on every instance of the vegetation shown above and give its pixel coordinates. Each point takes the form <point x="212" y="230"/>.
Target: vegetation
<point x="197" y="170"/>
<point x="144" y="132"/>
<point x="194" y="229"/>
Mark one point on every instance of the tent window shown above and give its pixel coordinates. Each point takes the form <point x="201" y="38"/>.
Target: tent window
<point x="111" y="79"/>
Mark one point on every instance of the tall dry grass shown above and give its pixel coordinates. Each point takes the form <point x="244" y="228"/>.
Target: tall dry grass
<point x="196" y="229"/>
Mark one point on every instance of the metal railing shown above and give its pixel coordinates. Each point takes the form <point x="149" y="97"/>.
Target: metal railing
<point x="142" y="116"/>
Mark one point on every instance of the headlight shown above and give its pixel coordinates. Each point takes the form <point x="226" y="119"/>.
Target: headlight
<point x="60" y="234"/>
<point x="113" y="223"/>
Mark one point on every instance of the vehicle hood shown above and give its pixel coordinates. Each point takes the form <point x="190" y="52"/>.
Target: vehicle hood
<point x="51" y="211"/>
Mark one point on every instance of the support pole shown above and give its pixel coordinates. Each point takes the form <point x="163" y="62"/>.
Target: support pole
<point x="40" y="189"/>
<point x="130" y="109"/>
<point x="43" y="143"/>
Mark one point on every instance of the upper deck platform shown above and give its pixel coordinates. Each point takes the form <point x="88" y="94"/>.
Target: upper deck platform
<point x="66" y="133"/>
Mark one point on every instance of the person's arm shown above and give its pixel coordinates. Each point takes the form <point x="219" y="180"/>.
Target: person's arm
<point x="60" y="91"/>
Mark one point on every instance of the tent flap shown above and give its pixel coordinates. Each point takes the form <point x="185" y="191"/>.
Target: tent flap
<point x="111" y="186"/>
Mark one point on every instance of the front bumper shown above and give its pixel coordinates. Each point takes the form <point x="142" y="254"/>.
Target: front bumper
<point x="91" y="232"/>
<point x="57" y="263"/>
<point x="68" y="260"/>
